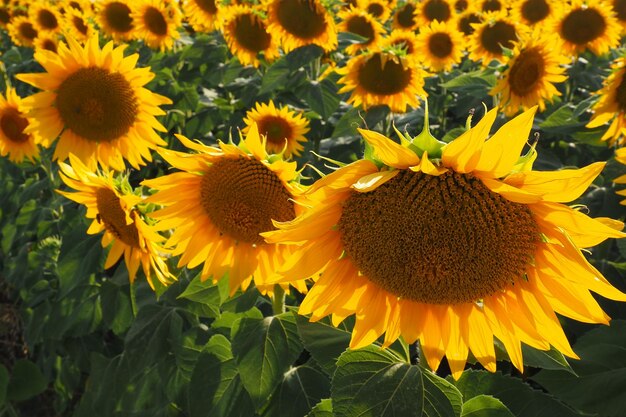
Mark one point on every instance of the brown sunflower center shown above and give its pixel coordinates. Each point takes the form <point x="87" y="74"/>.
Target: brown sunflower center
<point x="620" y="95"/>
<point x="375" y="9"/>
<point x="13" y="124"/>
<point x="405" y="44"/>
<point x="207" y="6"/>
<point x="241" y="196"/>
<point x="96" y="104"/>
<point x="47" y="19"/>
<point x="405" y="17"/>
<point x="117" y="16"/>
<point x="438" y="239"/>
<point x="80" y="25"/>
<point x="250" y="33"/>
<point x="535" y="10"/>
<point x="526" y="72"/>
<point x="5" y="16"/>
<point x="437" y="10"/>
<point x="440" y="45"/>
<point x="494" y="37"/>
<point x="362" y="27"/>
<point x="466" y="22"/>
<point x="75" y="5"/>
<point x="491" y="6"/>
<point x="49" y="45"/>
<point x="276" y="129"/>
<point x="301" y="18"/>
<point x="583" y="25"/>
<point x="384" y="78"/>
<point x="112" y="215"/>
<point x="620" y="9"/>
<point x="460" y="5"/>
<point x="27" y="31"/>
<point x="155" y="21"/>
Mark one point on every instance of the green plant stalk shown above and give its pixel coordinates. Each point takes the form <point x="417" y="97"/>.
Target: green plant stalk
<point x="278" y="302"/>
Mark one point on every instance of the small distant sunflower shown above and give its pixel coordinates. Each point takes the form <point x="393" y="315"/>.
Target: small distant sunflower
<point x="405" y="17"/>
<point x="22" y="31"/>
<point x="431" y="10"/>
<point x="466" y="21"/>
<point x="5" y="16"/>
<point x="533" y="12"/>
<point x="114" y="18"/>
<point x="220" y="202"/>
<point x="620" y="156"/>
<point x="14" y="119"/>
<point x="491" y="35"/>
<point x="492" y="5"/>
<point x="157" y="23"/>
<point x="612" y="105"/>
<point x="461" y="5"/>
<point x="301" y="22"/>
<point x="360" y="22"/>
<point x="94" y="98"/>
<point x="82" y="6"/>
<point x="45" y="16"/>
<point x="440" y="46"/>
<point x="380" y="9"/>
<point x="619" y="7"/>
<point x="202" y="15"/>
<point x="587" y="25"/>
<point x="402" y="39"/>
<point x="451" y="249"/>
<point x="113" y="212"/>
<point x="378" y="78"/>
<point x="282" y="128"/>
<point x="245" y="32"/>
<point x="48" y="41"/>
<point x="77" y="26"/>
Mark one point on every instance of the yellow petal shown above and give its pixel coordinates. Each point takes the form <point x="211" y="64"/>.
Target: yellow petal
<point x="463" y="153"/>
<point x="509" y="192"/>
<point x="388" y="151"/>
<point x="372" y="181"/>
<point x="254" y="144"/>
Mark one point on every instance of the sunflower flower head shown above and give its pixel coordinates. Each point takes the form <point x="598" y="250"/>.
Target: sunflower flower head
<point x="452" y="245"/>
<point x="14" y="141"/>
<point x="114" y="19"/>
<point x="157" y="23"/>
<point x="611" y="105"/>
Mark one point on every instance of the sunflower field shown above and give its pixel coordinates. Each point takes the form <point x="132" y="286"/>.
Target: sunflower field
<point x="290" y="208"/>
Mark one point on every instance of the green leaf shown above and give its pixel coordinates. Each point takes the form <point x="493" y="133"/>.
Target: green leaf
<point x="205" y="293"/>
<point x="215" y="388"/>
<point x="275" y="76"/>
<point x="80" y="257"/>
<point x="519" y="397"/>
<point x="117" y="311"/>
<point x="485" y="406"/>
<point x="4" y="385"/>
<point x="322" y="97"/>
<point x="302" y="388"/>
<point x="475" y="80"/>
<point x="599" y="386"/>
<point x="562" y="120"/>
<point x="323" y="409"/>
<point x="374" y="382"/>
<point x="26" y="381"/>
<point x="323" y="341"/>
<point x="264" y="350"/>
<point x="545" y="359"/>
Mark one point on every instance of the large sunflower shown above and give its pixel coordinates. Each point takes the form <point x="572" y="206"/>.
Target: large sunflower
<point x="534" y="12"/>
<point x="302" y="22"/>
<point x="532" y="70"/>
<point x="587" y="25"/>
<point x="434" y="10"/>
<point x="282" y="128"/>
<point x="202" y="15"/>
<point x="157" y="23"/>
<point x="14" y="119"/>
<point x="494" y="32"/>
<point x="360" y="22"/>
<point x="378" y="78"/>
<point x="451" y="248"/>
<point x="612" y="105"/>
<point x="113" y="212"/>
<point x="45" y="16"/>
<point x="440" y="46"/>
<point x="94" y="98"/>
<point x="22" y="31"/>
<point x="114" y="19"/>
<point x="220" y="202"/>
<point x="246" y="34"/>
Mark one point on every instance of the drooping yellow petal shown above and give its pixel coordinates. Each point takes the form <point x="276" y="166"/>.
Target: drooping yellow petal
<point x="372" y="181"/>
<point x="388" y="151"/>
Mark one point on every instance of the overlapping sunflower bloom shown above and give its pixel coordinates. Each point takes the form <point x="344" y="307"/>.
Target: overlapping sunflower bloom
<point x="452" y="245"/>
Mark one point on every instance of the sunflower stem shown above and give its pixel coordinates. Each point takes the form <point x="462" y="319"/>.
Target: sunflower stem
<point x="133" y="299"/>
<point x="278" y="302"/>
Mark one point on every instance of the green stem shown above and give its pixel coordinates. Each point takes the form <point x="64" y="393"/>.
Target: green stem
<point x="278" y="302"/>
<point x="133" y="299"/>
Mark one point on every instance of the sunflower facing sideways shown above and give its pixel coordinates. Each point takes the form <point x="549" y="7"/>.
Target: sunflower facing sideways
<point x="77" y="25"/>
<point x="113" y="212"/>
<point x="202" y="15"/>
<point x="531" y="72"/>
<point x="282" y="128"/>
<point x="14" y="142"/>
<point x="95" y="100"/>
<point x="157" y="23"/>
<point x="220" y="202"/>
<point x="440" y="46"/>
<point x="451" y="248"/>
<point x="611" y="106"/>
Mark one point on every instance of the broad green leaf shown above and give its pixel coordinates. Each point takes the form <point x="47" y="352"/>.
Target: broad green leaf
<point x="485" y="406"/>
<point x="264" y="350"/>
<point x="275" y="76"/>
<point x="545" y="359"/>
<point x="301" y="389"/>
<point x="302" y="56"/>
<point x="561" y="121"/>
<point x="323" y="341"/>
<point x="374" y="382"/>
<point x="323" y="409"/>
<point x="117" y="311"/>
<point x="322" y="97"/>
<point x="26" y="381"/>
<point x="206" y="293"/>
<point x="519" y="397"/>
<point x="475" y="80"/>
<point x="80" y="256"/>
<point x="4" y="385"/>
<point x="601" y="370"/>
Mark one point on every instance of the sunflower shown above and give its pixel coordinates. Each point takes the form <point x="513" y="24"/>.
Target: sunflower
<point x="494" y="32"/>
<point x="94" y="98"/>
<point x="377" y="78"/>
<point x="466" y="21"/>
<point x="403" y="40"/>
<point x="452" y="248"/>
<point x="14" y="119"/>
<point x="492" y="5"/>
<point x="5" y="16"/>
<point x="48" y="41"/>
<point x="114" y="18"/>
<point x="157" y="23"/>
<point x="301" y="22"/>
<point x="360" y="22"/>
<point x="246" y="34"/>
<point x="380" y="9"/>
<point x="114" y="213"/>
<point x="461" y="6"/>
<point x="533" y="69"/>
<point x="22" y="31"/>
<point x="220" y="202"/>
<point x="282" y="128"/>
<point x="45" y="16"/>
<point x="619" y="7"/>
<point x="440" y="45"/>
<point x="587" y="25"/>
<point x="405" y="17"/>
<point x="533" y="12"/>
<point x="431" y="10"/>
<point x="620" y="156"/>
<point x="202" y="15"/>
<point x="82" y="6"/>
<point x="77" y="26"/>
<point x="612" y="105"/>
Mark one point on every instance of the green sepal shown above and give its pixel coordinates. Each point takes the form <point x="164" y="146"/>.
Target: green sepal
<point x="425" y="141"/>
<point x="368" y="153"/>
